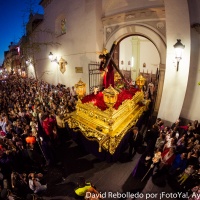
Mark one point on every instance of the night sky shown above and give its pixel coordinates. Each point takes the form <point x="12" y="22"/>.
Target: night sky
<point x="13" y="14"/>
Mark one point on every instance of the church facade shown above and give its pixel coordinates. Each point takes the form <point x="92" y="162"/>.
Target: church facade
<point x="74" y="31"/>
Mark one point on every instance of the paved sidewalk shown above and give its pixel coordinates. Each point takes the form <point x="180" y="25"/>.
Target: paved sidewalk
<point x="107" y="177"/>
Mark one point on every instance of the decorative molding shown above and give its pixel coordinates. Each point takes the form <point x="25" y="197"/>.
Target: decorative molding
<point x="160" y="25"/>
<point x="110" y="30"/>
<point x="154" y="17"/>
<point x="153" y="13"/>
<point x="157" y="26"/>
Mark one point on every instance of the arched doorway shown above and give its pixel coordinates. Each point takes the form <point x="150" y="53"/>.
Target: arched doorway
<point x="138" y="55"/>
<point x="154" y="38"/>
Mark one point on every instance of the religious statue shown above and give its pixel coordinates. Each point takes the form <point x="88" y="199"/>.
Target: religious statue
<point x="108" y="76"/>
<point x="63" y="26"/>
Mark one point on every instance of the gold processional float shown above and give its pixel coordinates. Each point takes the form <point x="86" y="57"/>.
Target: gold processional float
<point x="108" y="127"/>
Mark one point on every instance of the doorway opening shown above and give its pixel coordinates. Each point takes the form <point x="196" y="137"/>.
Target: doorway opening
<point x="134" y="55"/>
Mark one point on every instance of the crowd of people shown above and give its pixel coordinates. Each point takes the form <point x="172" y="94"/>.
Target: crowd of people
<point x="172" y="153"/>
<point x="33" y="118"/>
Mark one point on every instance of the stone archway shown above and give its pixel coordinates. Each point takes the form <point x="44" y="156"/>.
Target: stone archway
<point x="151" y="34"/>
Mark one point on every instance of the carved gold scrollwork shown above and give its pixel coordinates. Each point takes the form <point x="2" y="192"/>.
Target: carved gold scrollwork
<point x="104" y="140"/>
<point x="112" y="145"/>
<point x="108" y="127"/>
<point x="91" y="114"/>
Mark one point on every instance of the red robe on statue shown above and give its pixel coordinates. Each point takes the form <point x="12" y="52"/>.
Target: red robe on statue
<point x="109" y="77"/>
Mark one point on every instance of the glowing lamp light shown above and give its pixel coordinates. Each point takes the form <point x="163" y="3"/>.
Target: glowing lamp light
<point x="178" y="50"/>
<point x="52" y="59"/>
<point x="132" y="61"/>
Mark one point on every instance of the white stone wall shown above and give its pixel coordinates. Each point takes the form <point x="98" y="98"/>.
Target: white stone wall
<point x="191" y="108"/>
<point x="83" y="38"/>
<point x="125" y="53"/>
<point x="85" y="35"/>
<point x="148" y="54"/>
<point x="175" y="82"/>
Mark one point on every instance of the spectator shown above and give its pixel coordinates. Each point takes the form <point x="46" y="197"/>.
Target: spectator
<point x="187" y="172"/>
<point x="151" y="138"/>
<point x="160" y="141"/>
<point x="167" y="158"/>
<point x="48" y="124"/>
<point x="34" y="183"/>
<point x="2" y="133"/>
<point x="179" y="164"/>
<point x="135" y="141"/>
<point x="195" y="193"/>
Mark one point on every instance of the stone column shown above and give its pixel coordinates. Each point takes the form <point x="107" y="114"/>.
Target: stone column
<point x="135" y="66"/>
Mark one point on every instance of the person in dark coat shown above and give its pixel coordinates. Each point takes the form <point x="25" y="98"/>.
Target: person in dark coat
<point x="135" y="141"/>
<point x="151" y="138"/>
<point x="176" y="124"/>
<point x="143" y="166"/>
<point x="196" y="126"/>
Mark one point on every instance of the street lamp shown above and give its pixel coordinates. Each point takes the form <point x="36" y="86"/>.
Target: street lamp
<point x="178" y="50"/>
<point x="52" y="59"/>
